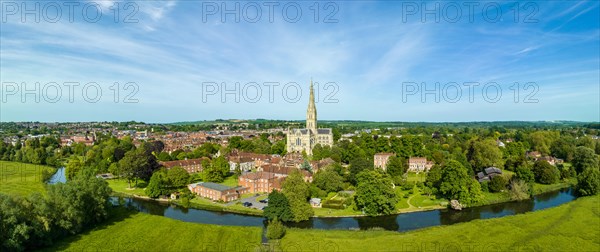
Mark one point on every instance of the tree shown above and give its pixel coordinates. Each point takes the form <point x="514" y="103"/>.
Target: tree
<point x="297" y="191"/>
<point x="519" y="190"/>
<point x="545" y="173"/>
<point x="358" y="165"/>
<point x="498" y="183"/>
<point x="457" y="184"/>
<point x="483" y="154"/>
<point x="138" y="163"/>
<point x="216" y="171"/>
<point x="74" y="167"/>
<point x="525" y="174"/>
<point x="374" y="193"/>
<point x="275" y="229"/>
<point x="434" y="177"/>
<point x="395" y="166"/>
<point x="156" y="186"/>
<point x="328" y="180"/>
<point x="278" y="207"/>
<point x="588" y="182"/>
<point x="584" y="158"/>
<point x="79" y="202"/>
<point x="178" y="177"/>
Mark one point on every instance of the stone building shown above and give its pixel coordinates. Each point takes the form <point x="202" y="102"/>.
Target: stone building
<point x="299" y="140"/>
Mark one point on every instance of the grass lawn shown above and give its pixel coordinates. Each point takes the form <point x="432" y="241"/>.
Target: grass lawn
<point x="424" y="201"/>
<point x="122" y="186"/>
<point x="130" y="231"/>
<point x="416" y="177"/>
<point x="328" y="212"/>
<point x="22" y="179"/>
<point x="203" y="203"/>
<point x="570" y="227"/>
<point x="230" y="181"/>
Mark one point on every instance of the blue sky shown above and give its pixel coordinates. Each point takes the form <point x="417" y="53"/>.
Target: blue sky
<point x="373" y="53"/>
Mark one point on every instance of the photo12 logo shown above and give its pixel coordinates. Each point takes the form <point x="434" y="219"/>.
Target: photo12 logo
<point x="53" y="92"/>
<point x="58" y="11"/>
<point x="253" y="12"/>
<point x="253" y="92"/>
<point x="453" y="92"/>
<point x="470" y="11"/>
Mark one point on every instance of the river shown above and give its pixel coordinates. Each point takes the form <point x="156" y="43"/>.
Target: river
<point x="398" y="222"/>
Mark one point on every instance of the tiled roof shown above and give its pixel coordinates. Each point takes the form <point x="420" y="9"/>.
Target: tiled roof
<point x="324" y="131"/>
<point x="212" y="185"/>
<point x="182" y="163"/>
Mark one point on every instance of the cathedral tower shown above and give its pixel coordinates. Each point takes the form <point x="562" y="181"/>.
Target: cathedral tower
<point x="311" y="112"/>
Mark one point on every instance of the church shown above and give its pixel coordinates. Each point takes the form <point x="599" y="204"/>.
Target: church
<point x="299" y="140"/>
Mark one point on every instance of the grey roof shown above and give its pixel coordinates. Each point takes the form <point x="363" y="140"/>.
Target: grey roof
<point x="213" y="186"/>
<point x="480" y="175"/>
<point x="324" y="131"/>
<point x="492" y="170"/>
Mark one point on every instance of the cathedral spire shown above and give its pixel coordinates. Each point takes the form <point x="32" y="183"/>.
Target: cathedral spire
<point x="311" y="112"/>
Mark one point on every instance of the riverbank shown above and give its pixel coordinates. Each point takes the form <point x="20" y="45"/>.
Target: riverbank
<point x="128" y="230"/>
<point x="569" y="227"/>
<point x="412" y="202"/>
<point x="503" y="197"/>
<point x="120" y="189"/>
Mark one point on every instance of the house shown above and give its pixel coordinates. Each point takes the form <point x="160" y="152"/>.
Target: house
<point x="245" y="164"/>
<point x="488" y="173"/>
<point x="380" y="160"/>
<point x="190" y="165"/>
<point x="534" y="154"/>
<point x="285" y="171"/>
<point x="500" y="143"/>
<point x="551" y="160"/>
<point x="419" y="164"/>
<point x="315" y="202"/>
<point x="261" y="181"/>
<point x="216" y="191"/>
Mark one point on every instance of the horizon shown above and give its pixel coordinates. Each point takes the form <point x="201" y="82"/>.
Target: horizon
<point x="302" y="120"/>
<point x="174" y="61"/>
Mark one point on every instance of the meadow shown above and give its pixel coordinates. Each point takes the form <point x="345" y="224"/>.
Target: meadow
<point x="132" y="231"/>
<point x="570" y="227"/>
<point x="22" y="179"/>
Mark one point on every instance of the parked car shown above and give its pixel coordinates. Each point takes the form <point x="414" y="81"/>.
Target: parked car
<point x="247" y="204"/>
<point x="263" y="201"/>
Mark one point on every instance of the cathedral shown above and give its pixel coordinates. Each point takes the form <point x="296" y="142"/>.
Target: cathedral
<point x="299" y="140"/>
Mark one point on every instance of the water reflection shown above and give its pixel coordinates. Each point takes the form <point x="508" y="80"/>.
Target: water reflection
<point x="58" y="177"/>
<point x="400" y="222"/>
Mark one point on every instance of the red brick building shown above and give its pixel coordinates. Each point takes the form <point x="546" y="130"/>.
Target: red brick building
<point x="261" y="181"/>
<point x="216" y="191"/>
<point x="190" y="165"/>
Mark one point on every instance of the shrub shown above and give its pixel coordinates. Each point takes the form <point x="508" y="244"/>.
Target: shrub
<point x="589" y="182"/>
<point x="545" y="173"/>
<point x="408" y="186"/>
<point x="525" y="174"/>
<point x="519" y="190"/>
<point x="498" y="183"/>
<point x="485" y="186"/>
<point x="275" y="229"/>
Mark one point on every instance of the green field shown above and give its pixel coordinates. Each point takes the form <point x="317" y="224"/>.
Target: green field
<point x="21" y="179"/>
<point x="129" y="231"/>
<point x="570" y="227"/>
<point x="122" y="186"/>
